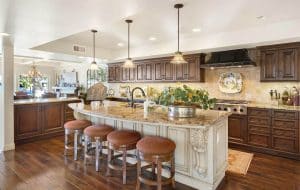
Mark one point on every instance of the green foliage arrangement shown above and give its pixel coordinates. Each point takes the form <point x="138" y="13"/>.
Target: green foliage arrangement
<point x="186" y="96"/>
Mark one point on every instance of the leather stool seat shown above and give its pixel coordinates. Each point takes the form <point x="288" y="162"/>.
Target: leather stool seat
<point x="98" y="131"/>
<point x="155" y="145"/>
<point x="123" y="137"/>
<point x="77" y="124"/>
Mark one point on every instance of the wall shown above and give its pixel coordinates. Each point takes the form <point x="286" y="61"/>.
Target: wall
<point x="253" y="89"/>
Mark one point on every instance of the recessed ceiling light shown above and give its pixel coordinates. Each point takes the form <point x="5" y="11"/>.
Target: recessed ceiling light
<point x="4" y="34"/>
<point x="261" y="17"/>
<point x="81" y="57"/>
<point x="120" y="44"/>
<point x="152" y="38"/>
<point x="196" y="29"/>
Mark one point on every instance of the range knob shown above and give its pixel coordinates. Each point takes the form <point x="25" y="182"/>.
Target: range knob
<point x="225" y="109"/>
<point x="219" y="108"/>
<point x="241" y="110"/>
<point x="234" y="109"/>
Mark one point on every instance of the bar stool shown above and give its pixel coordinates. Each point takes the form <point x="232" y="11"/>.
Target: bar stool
<point x="155" y="150"/>
<point x="99" y="134"/>
<point x="122" y="140"/>
<point x="76" y="127"/>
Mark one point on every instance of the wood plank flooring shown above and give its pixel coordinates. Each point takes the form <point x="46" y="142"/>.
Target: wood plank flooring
<point x="41" y="165"/>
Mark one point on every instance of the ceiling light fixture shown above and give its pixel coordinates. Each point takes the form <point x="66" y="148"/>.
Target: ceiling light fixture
<point x="152" y="38"/>
<point x="196" y="29"/>
<point x="128" y="63"/>
<point x="120" y="44"/>
<point x="94" y="65"/>
<point x="261" y="17"/>
<point x="178" y="57"/>
<point x="4" y="34"/>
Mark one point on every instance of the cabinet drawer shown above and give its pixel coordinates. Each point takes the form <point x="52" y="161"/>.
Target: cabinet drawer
<point x="285" y="114"/>
<point x="285" y="144"/>
<point x="259" y="112"/>
<point x="259" y="129"/>
<point x="259" y="121"/>
<point x="284" y="124"/>
<point x="285" y="133"/>
<point x="258" y="139"/>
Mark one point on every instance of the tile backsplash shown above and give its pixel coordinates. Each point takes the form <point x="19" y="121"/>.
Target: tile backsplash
<point x="253" y="89"/>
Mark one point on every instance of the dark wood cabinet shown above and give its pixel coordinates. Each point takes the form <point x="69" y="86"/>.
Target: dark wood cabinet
<point x="40" y="120"/>
<point x="27" y="121"/>
<point x="280" y="62"/>
<point x="52" y="117"/>
<point x="269" y="65"/>
<point x="237" y="128"/>
<point x="159" y="70"/>
<point x="114" y="73"/>
<point x="271" y="131"/>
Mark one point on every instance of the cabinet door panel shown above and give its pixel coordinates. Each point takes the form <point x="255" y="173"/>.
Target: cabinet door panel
<point x="148" y="71"/>
<point x="259" y="140"/>
<point x="27" y="121"/>
<point x="53" y="117"/>
<point x="287" y="64"/>
<point x="193" y="69"/>
<point x="139" y="72"/>
<point x="237" y="128"/>
<point x="180" y="72"/>
<point x="118" y="73"/>
<point x="269" y="65"/>
<point x="111" y="74"/>
<point x="169" y="71"/>
<point x="285" y="144"/>
<point x="158" y="71"/>
<point x="132" y="74"/>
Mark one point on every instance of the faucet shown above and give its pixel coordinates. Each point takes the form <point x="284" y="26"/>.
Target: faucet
<point x="136" y="88"/>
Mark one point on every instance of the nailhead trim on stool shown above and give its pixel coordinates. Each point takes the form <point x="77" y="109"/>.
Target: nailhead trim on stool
<point x="99" y="133"/>
<point x="76" y="127"/>
<point x="155" y="150"/>
<point x="122" y="140"/>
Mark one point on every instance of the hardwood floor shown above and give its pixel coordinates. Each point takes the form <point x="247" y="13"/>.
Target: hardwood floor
<point x="41" y="165"/>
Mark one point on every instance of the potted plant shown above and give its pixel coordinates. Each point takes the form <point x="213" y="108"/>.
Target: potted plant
<point x="182" y="101"/>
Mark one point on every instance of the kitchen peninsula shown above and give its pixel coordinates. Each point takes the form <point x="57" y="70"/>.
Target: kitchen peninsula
<point x="41" y="118"/>
<point x="202" y="141"/>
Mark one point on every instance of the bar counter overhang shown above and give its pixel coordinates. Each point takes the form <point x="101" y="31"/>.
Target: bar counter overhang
<point x="201" y="142"/>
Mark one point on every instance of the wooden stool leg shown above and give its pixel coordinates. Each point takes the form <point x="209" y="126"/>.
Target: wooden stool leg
<point x="173" y="171"/>
<point x="109" y="155"/>
<point x="85" y="148"/>
<point x="159" y="171"/>
<point x="138" y="183"/>
<point x="124" y="167"/>
<point x="97" y="154"/>
<point x="75" y="144"/>
<point x="153" y="168"/>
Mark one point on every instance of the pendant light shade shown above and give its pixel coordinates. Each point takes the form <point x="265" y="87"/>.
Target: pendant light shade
<point x="178" y="57"/>
<point x="94" y="65"/>
<point x="128" y="62"/>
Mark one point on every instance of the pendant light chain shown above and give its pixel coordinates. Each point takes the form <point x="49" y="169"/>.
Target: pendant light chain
<point x="94" y="44"/>
<point x="128" y="40"/>
<point x="178" y="30"/>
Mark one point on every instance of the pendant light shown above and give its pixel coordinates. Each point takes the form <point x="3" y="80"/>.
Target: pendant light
<point x="94" y="65"/>
<point x="178" y="57"/>
<point x="128" y="63"/>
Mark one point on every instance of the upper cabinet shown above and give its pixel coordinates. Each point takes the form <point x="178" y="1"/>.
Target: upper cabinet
<point x="280" y="62"/>
<point x="159" y="70"/>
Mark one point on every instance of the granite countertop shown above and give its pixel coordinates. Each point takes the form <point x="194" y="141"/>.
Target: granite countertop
<point x="159" y="115"/>
<point x="42" y="100"/>
<point x="271" y="106"/>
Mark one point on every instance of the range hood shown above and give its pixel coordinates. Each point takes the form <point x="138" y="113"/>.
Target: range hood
<point x="231" y="58"/>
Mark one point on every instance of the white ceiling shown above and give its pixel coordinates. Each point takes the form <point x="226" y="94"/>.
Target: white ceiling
<point x="55" y="25"/>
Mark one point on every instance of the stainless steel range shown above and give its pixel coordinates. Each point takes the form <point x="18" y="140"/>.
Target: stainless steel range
<point x="234" y="106"/>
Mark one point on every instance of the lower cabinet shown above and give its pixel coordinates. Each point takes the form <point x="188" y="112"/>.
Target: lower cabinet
<point x="237" y="128"/>
<point x="270" y="131"/>
<point x="40" y="120"/>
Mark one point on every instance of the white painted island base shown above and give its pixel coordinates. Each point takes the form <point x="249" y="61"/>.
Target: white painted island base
<point x="201" y="151"/>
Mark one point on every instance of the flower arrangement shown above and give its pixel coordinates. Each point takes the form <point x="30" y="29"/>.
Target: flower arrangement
<point x="186" y="96"/>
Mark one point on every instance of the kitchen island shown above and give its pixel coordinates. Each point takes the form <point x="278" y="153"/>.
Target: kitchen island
<point x="41" y="118"/>
<point x="201" y="142"/>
